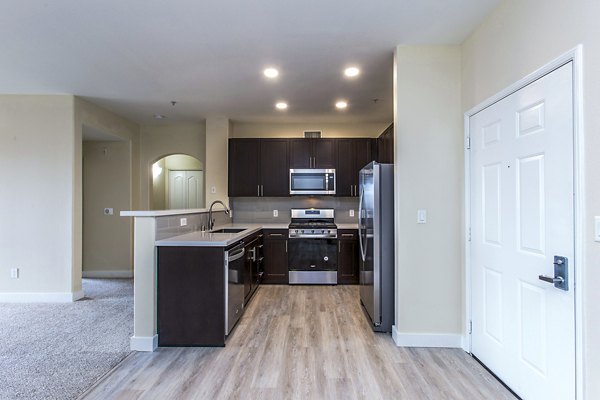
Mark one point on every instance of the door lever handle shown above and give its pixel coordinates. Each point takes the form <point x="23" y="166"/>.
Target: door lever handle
<point x="561" y="274"/>
<point x="549" y="279"/>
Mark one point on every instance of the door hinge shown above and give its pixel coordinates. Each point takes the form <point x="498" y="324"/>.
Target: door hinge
<point x="470" y="327"/>
<point x="468" y="143"/>
<point x="469" y="234"/>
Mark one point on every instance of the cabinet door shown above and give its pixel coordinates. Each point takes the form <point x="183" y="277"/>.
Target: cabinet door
<point x="348" y="257"/>
<point x="362" y="156"/>
<point x="275" y="262"/>
<point x="344" y="172"/>
<point x="244" y="157"/>
<point x="385" y="146"/>
<point x="274" y="167"/>
<point x="324" y="153"/>
<point x="300" y="153"/>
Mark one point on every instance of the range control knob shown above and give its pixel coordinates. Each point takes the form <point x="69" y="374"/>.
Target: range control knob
<point x="325" y="258"/>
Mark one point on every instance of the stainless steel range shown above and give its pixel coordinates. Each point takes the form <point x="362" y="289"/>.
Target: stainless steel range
<point x="312" y="249"/>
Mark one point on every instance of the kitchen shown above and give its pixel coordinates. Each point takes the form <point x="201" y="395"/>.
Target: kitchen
<point x="316" y="240"/>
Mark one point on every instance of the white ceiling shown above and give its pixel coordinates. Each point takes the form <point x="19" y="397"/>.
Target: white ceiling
<point x="135" y="56"/>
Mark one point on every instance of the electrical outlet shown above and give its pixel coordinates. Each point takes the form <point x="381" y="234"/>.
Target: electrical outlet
<point x="213" y="189"/>
<point x="14" y="273"/>
<point x="108" y="211"/>
<point x="276" y="213"/>
<point x="183" y="222"/>
<point x="351" y="213"/>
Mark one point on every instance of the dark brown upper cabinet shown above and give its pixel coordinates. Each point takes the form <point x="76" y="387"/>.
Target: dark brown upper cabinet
<point x="353" y="155"/>
<point x="258" y="167"/>
<point x="385" y="146"/>
<point x="313" y="153"/>
<point x="244" y="167"/>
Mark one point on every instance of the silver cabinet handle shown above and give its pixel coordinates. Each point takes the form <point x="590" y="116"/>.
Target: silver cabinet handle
<point x="262" y="190"/>
<point x="275" y="234"/>
<point x="286" y="246"/>
<point x="258" y="190"/>
<point x="347" y="234"/>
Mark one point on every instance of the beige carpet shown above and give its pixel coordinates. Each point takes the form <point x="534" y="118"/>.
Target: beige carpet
<point x="57" y="351"/>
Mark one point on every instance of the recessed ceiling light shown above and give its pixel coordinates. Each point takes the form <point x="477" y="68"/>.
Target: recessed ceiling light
<point x="271" y="73"/>
<point x="159" y="116"/>
<point x="282" y="105"/>
<point x="351" y="72"/>
<point x="341" y="104"/>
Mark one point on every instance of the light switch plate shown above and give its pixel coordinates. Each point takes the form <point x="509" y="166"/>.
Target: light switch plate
<point x="421" y="216"/>
<point x="351" y="213"/>
<point x="276" y="213"/>
<point x="183" y="222"/>
<point x="597" y="229"/>
<point x="108" y="211"/>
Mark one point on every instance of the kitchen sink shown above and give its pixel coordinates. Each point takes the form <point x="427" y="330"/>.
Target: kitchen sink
<point x="229" y="230"/>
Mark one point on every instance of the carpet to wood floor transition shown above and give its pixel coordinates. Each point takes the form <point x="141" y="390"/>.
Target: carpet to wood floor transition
<point x="57" y="351"/>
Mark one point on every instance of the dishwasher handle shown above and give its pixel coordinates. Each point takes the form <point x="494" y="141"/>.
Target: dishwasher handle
<point x="236" y="254"/>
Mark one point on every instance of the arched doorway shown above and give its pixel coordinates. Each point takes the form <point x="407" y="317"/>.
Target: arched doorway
<point x="177" y="183"/>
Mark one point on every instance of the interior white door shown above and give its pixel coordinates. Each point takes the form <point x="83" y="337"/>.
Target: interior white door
<point x="186" y="189"/>
<point x="522" y="215"/>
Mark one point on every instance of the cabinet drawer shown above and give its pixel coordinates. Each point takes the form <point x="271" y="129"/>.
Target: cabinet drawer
<point x="347" y="234"/>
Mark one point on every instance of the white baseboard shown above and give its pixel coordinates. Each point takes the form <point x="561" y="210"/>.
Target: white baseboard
<point x="52" y="297"/>
<point x="426" y="339"/>
<point x="116" y="274"/>
<point x="143" y="343"/>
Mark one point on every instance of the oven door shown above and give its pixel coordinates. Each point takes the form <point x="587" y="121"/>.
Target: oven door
<point x="312" y="254"/>
<point x="312" y="181"/>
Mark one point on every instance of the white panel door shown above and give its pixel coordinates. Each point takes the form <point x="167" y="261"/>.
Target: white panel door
<point x="522" y="215"/>
<point x="195" y="189"/>
<point x="186" y="189"/>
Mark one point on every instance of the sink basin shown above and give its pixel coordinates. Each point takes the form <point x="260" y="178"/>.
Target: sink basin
<point x="229" y="230"/>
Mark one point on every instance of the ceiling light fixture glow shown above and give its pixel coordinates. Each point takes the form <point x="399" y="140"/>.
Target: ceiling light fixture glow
<point x="341" y="104"/>
<point x="271" y="73"/>
<point x="351" y="72"/>
<point x="281" y="105"/>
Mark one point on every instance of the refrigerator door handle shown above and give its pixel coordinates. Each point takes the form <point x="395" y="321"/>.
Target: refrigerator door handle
<point x="363" y="254"/>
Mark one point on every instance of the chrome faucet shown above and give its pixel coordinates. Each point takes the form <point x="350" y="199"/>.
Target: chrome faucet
<point x="211" y="221"/>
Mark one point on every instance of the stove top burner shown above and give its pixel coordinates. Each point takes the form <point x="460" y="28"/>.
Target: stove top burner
<point x="313" y="224"/>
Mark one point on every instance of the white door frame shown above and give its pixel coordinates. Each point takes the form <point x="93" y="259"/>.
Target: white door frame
<point x="574" y="55"/>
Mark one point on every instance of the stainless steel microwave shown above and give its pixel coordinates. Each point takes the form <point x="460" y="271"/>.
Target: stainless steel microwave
<point x="312" y="181"/>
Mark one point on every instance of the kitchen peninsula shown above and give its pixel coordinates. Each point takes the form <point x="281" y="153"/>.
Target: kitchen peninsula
<point x="178" y="229"/>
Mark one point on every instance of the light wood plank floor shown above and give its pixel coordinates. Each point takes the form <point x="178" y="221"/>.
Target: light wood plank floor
<point x="301" y="342"/>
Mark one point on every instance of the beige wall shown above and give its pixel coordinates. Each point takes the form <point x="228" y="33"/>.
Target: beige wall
<point x="106" y="241"/>
<point x="428" y="145"/>
<point x="37" y="215"/>
<point x="158" y="141"/>
<point x="218" y="131"/>
<point x="516" y="39"/>
<point x="106" y="183"/>
<point x="241" y="130"/>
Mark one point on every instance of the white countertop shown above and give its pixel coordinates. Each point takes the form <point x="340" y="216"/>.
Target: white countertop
<point x="208" y="239"/>
<point x="347" y="226"/>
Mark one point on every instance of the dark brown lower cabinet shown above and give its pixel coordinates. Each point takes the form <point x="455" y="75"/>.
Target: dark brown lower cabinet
<point x="190" y="296"/>
<point x="275" y="263"/>
<point x="348" y="257"/>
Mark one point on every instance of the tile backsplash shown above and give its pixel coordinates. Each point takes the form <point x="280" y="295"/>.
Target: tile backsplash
<point x="170" y="225"/>
<point x="260" y="210"/>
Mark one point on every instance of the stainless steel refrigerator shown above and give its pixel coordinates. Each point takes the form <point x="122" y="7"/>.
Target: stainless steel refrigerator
<point x="376" y="239"/>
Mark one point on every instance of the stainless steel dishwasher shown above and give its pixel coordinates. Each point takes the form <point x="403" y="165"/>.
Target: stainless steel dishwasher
<point x="234" y="290"/>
